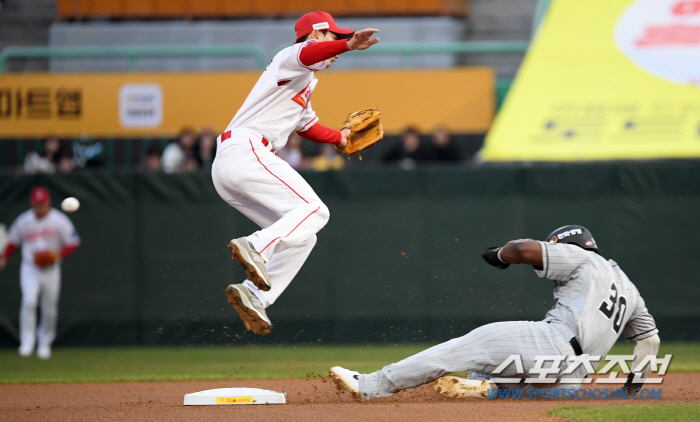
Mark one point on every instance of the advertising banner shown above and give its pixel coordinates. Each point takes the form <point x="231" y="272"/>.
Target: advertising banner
<point x="160" y="104"/>
<point x="606" y="80"/>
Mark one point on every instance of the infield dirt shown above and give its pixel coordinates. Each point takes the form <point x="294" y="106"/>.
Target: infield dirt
<point x="307" y="400"/>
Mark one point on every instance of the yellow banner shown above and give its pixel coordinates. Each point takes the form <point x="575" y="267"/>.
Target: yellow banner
<point x="606" y="79"/>
<point x="158" y="104"/>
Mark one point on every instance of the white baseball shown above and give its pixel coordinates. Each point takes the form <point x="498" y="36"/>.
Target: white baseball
<point x="70" y="204"/>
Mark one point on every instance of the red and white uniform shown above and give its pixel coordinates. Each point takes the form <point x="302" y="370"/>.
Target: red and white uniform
<point x="54" y="232"/>
<point x="250" y="177"/>
<point x="280" y="102"/>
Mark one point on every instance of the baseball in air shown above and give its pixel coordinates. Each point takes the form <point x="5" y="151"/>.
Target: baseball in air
<point x="70" y="204"/>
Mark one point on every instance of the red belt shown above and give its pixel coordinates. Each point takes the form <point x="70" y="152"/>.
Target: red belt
<point x="227" y="134"/>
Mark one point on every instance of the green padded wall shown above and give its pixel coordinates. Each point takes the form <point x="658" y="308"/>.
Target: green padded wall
<point x="398" y="261"/>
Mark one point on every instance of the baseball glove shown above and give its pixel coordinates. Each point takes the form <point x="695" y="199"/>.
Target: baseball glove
<point x="44" y="259"/>
<point x="366" y="130"/>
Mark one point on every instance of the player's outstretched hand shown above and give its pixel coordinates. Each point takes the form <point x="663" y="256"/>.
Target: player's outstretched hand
<point x="491" y="256"/>
<point x="3" y="262"/>
<point x="344" y="135"/>
<point x="361" y="39"/>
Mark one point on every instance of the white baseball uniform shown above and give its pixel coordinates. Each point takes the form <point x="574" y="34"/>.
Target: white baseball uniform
<point x="250" y="177"/>
<point x="53" y="232"/>
<point x="594" y="303"/>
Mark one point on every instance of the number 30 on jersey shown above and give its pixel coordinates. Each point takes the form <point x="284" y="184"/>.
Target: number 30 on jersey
<point x="608" y="308"/>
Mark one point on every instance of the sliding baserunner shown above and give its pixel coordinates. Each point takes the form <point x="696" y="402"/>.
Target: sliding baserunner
<point x="594" y="303"/>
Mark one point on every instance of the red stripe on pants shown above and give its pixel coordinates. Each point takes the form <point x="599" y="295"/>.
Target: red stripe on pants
<point x="268" y="170"/>
<point x="292" y="229"/>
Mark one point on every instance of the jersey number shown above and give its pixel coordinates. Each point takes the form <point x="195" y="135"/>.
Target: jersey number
<point x="608" y="308"/>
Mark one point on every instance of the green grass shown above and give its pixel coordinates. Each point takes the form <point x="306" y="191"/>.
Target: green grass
<point x="235" y="362"/>
<point x="686" y="356"/>
<point x="195" y="363"/>
<point x="643" y="413"/>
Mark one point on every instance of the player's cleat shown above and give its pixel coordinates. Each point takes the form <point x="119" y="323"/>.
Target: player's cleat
<point x="457" y="388"/>
<point x="43" y="352"/>
<point x="346" y="380"/>
<point x="25" y="351"/>
<point x="249" y="308"/>
<point x="252" y="262"/>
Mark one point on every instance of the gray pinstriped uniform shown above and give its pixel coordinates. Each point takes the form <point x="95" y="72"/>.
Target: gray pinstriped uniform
<point x="594" y="302"/>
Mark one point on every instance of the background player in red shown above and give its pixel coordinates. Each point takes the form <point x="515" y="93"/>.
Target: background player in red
<point x="251" y="178"/>
<point x="47" y="236"/>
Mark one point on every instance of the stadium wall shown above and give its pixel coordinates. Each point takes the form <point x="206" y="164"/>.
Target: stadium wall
<point x="399" y="260"/>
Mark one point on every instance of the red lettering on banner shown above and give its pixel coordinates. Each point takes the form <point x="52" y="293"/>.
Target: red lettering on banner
<point x="670" y="35"/>
<point x="685" y="8"/>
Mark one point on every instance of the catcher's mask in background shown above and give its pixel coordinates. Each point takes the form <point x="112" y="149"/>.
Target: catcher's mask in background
<point x="575" y="235"/>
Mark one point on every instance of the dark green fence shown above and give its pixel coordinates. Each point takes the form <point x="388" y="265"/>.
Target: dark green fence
<point x="399" y="260"/>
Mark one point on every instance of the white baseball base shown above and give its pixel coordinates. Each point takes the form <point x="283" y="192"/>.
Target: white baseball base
<point x="234" y="396"/>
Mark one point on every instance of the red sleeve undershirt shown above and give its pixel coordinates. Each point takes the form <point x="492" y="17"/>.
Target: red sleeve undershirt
<point x="9" y="250"/>
<point x="64" y="252"/>
<point x="321" y="134"/>
<point x="67" y="250"/>
<point x="315" y="52"/>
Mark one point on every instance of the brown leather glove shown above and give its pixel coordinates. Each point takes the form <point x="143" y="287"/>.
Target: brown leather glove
<point x="44" y="259"/>
<point x="366" y="130"/>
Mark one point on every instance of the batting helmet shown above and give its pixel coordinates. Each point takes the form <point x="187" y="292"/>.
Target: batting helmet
<point x="575" y="235"/>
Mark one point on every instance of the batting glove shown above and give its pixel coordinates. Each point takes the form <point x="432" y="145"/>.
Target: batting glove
<point x="492" y="258"/>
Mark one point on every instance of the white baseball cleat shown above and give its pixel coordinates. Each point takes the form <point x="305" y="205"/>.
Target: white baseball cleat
<point x="346" y="380"/>
<point x="253" y="264"/>
<point x="457" y="388"/>
<point x="25" y="351"/>
<point x="249" y="308"/>
<point x="43" y="352"/>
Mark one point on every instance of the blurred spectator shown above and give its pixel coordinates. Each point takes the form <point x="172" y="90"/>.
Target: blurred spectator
<point x="46" y="159"/>
<point x="409" y="151"/>
<point x="152" y="159"/>
<point x="206" y="148"/>
<point x="179" y="156"/>
<point x="65" y="162"/>
<point x="443" y="147"/>
<point x="328" y="159"/>
<point x="292" y="152"/>
<point x="87" y="152"/>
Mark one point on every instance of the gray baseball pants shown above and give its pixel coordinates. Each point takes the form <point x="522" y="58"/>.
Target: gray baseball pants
<point x="481" y="350"/>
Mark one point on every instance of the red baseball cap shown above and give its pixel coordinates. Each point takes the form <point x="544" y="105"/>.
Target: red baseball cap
<point x="40" y="196"/>
<point x="321" y="21"/>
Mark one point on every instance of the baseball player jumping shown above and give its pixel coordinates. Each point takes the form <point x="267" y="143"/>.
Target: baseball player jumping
<point x="594" y="303"/>
<point x="251" y="178"/>
<point x="47" y="236"/>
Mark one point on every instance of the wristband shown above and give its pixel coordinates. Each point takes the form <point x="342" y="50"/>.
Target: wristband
<point x="498" y="255"/>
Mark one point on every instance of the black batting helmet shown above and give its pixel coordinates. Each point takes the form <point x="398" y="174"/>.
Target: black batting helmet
<point x="575" y="235"/>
